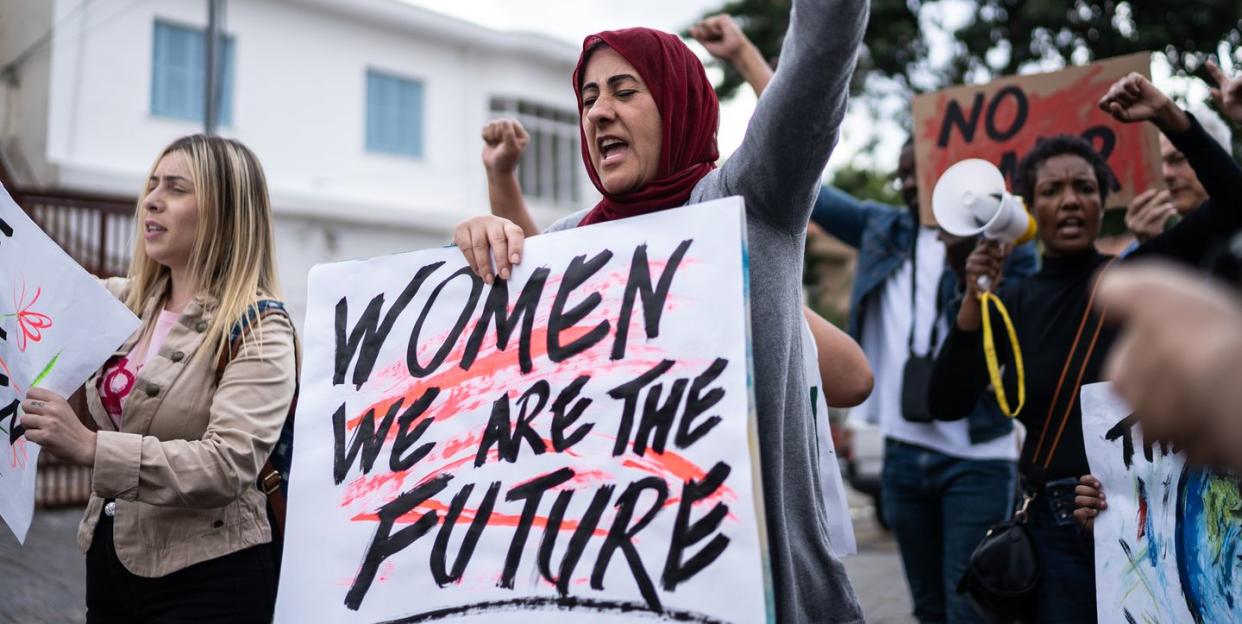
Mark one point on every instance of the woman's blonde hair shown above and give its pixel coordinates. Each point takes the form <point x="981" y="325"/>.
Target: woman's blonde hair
<point x="233" y="256"/>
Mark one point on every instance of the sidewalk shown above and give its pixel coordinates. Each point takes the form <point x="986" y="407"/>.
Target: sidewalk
<point x="45" y="580"/>
<point x="875" y="571"/>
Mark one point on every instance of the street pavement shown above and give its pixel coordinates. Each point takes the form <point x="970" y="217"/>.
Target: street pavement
<point x="44" y="581"/>
<point x="875" y="571"/>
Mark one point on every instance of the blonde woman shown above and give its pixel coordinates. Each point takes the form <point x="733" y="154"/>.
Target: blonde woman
<point x="186" y="416"/>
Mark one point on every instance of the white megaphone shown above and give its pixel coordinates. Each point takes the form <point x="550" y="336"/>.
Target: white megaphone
<point x="970" y="199"/>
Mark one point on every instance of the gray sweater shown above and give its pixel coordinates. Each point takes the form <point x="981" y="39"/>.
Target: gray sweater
<point x="777" y="171"/>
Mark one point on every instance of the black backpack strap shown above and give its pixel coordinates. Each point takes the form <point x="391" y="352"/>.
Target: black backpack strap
<point x="255" y="314"/>
<point x="271" y="482"/>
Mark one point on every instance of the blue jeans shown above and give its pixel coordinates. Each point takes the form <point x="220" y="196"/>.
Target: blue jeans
<point x="939" y="507"/>
<point x="1066" y="590"/>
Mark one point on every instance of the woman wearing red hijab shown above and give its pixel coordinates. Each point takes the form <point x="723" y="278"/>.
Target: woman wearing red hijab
<point x="648" y="128"/>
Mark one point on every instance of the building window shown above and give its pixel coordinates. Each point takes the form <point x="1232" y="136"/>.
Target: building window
<point x="179" y="74"/>
<point x="394" y="115"/>
<point x="549" y="169"/>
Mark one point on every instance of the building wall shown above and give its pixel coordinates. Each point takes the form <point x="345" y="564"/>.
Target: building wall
<point x="302" y="242"/>
<point x="24" y="93"/>
<point x="299" y="102"/>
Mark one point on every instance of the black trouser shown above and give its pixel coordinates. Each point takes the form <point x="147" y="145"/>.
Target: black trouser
<point x="1066" y="553"/>
<point x="238" y="587"/>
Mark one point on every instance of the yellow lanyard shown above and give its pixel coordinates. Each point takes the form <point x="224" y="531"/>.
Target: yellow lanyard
<point x="989" y="354"/>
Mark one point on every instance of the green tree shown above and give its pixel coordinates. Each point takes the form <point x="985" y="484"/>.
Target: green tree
<point x="1012" y="33"/>
<point x="1003" y="36"/>
<point x="867" y="184"/>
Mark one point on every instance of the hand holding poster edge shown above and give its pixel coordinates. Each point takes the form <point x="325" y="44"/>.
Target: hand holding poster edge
<point x="1159" y="545"/>
<point x="709" y="217"/>
<point x="76" y="326"/>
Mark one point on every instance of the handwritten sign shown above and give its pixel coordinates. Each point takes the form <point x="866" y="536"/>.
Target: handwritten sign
<point x="1002" y="120"/>
<point x="1166" y="547"/>
<point x="575" y="444"/>
<point x="57" y="326"/>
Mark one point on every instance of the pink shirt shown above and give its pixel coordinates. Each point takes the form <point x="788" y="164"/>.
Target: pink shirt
<point x="120" y="372"/>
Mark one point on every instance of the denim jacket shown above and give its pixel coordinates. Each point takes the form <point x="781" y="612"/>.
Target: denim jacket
<point x="884" y="238"/>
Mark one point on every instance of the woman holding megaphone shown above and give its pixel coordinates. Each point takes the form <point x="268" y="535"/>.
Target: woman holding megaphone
<point x="1061" y="343"/>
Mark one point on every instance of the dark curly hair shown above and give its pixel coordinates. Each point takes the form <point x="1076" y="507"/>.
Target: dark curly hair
<point x="1024" y="179"/>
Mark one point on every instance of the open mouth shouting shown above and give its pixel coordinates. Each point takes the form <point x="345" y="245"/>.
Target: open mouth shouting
<point x="1071" y="227"/>
<point x="612" y="150"/>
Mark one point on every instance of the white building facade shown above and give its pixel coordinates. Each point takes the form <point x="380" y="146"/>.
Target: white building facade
<point x="365" y="113"/>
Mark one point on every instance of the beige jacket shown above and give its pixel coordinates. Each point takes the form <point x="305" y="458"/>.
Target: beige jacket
<point x="183" y="467"/>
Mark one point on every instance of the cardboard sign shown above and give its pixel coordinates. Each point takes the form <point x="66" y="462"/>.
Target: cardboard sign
<point x="577" y="444"/>
<point x="1166" y="547"/>
<point x="1002" y="120"/>
<point x="58" y="325"/>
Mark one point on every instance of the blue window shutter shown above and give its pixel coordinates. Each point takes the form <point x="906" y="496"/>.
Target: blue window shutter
<point x="413" y="107"/>
<point x="196" y="55"/>
<point x="389" y="121"/>
<point x="158" y="87"/>
<point x="169" y="65"/>
<point x="401" y="117"/>
<point x="374" y="123"/>
<point x="179" y="74"/>
<point x="394" y="112"/>
<point x="226" y="84"/>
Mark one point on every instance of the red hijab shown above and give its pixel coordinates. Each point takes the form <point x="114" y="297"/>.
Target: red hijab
<point x="688" y="109"/>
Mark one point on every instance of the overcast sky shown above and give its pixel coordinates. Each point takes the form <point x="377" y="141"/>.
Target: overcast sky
<point x="573" y="20"/>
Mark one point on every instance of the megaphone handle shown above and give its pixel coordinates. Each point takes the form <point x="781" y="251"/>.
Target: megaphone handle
<point x="984" y="282"/>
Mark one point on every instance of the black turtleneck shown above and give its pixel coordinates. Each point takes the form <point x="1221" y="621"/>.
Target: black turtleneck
<point x="1048" y="307"/>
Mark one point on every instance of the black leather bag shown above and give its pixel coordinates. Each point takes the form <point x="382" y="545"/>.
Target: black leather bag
<point x="915" y="378"/>
<point x="916" y="374"/>
<point x="1003" y="572"/>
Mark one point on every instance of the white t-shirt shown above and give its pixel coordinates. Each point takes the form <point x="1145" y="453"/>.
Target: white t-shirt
<point x="886" y="330"/>
<point x="832" y="486"/>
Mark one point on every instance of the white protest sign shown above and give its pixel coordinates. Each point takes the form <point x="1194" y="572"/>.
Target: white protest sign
<point x="1167" y="547"/>
<point x="578" y="444"/>
<point x="57" y="326"/>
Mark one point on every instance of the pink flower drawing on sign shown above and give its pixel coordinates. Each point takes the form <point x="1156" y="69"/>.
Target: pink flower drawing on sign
<point x="30" y="323"/>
